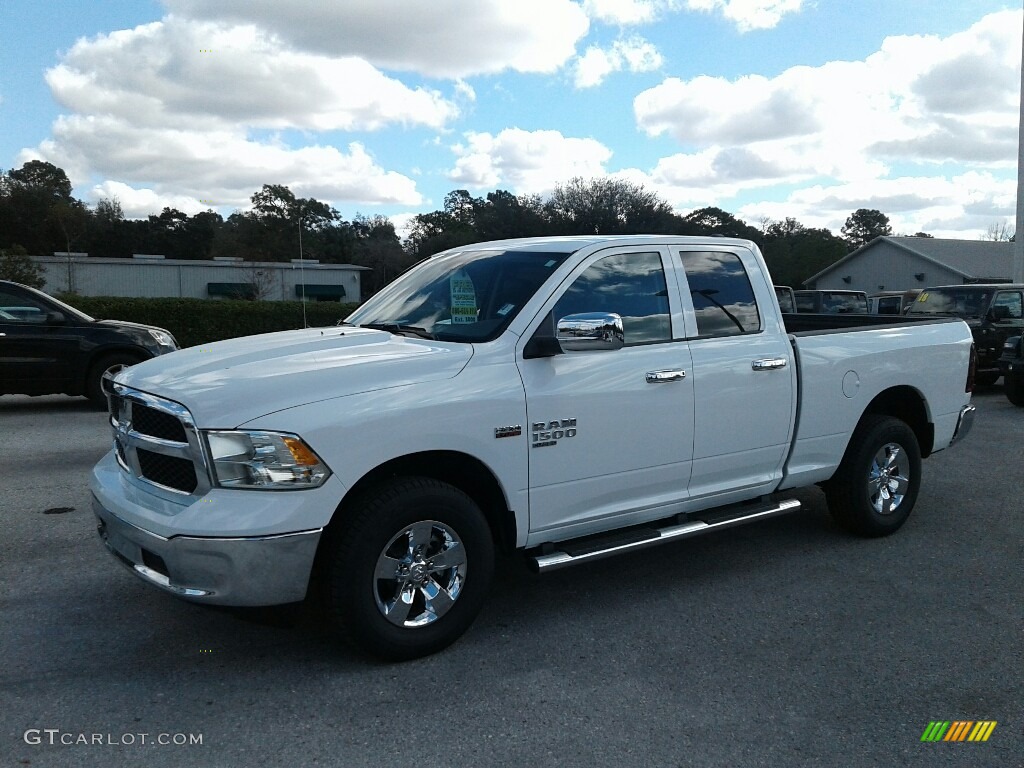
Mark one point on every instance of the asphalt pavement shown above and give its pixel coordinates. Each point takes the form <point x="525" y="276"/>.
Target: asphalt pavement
<point x="783" y="643"/>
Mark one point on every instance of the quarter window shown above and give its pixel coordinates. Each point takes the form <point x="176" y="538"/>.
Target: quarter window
<point x="631" y="285"/>
<point x="723" y="299"/>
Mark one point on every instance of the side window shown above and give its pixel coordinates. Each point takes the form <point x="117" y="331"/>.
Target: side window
<point x="722" y="296"/>
<point x="14" y="308"/>
<point x="631" y="285"/>
<point x="1011" y="300"/>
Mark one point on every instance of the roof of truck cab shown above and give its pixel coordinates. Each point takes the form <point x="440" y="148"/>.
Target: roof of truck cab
<point x="573" y="243"/>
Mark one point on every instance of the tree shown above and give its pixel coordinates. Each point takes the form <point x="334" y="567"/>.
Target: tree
<point x="606" y="206"/>
<point x="45" y="178"/>
<point x="999" y="232"/>
<point x="30" y="197"/>
<point x="715" y="221"/>
<point x="794" y="252"/>
<point x="863" y="226"/>
<point x="15" y="265"/>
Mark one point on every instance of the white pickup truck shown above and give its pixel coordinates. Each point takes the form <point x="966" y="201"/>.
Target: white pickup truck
<point x="569" y="397"/>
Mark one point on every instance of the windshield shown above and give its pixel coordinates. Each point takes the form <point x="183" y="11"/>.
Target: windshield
<point x="960" y="301"/>
<point x="465" y="296"/>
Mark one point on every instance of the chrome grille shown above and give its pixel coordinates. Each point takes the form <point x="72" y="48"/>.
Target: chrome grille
<point x="156" y="441"/>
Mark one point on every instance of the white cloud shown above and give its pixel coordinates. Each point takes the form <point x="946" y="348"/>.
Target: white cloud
<point x="222" y="166"/>
<point x="634" y="54"/>
<point x="623" y="12"/>
<point x="958" y="206"/>
<point x="184" y="73"/>
<point x="441" y="38"/>
<point x="748" y="15"/>
<point x="526" y="162"/>
<point x="848" y="121"/>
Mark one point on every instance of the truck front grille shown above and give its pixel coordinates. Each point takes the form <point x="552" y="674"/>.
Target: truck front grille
<point x="168" y="471"/>
<point x="156" y="441"/>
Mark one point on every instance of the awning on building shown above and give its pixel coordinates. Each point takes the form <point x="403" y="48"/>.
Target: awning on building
<point x="330" y="292"/>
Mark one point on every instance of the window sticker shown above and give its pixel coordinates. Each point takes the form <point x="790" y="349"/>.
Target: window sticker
<point x="923" y="297"/>
<point x="463" y="294"/>
<point x="550" y="264"/>
<point x="506" y="309"/>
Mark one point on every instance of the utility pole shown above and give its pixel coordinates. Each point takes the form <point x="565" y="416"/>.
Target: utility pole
<point x="1018" y="245"/>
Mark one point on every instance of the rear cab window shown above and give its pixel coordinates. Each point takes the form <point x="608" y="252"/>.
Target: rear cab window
<point x="721" y="292"/>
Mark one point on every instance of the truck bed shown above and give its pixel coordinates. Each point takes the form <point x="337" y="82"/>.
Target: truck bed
<point x="805" y="323"/>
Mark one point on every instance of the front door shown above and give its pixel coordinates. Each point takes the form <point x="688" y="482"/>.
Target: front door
<point x="609" y="438"/>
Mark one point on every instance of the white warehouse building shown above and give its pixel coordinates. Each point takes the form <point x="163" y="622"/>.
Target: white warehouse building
<point x="156" y="276"/>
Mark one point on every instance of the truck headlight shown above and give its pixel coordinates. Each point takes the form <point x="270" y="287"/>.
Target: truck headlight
<point x="266" y="460"/>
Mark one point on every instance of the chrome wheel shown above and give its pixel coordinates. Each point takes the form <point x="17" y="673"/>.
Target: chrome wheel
<point x="420" y="574"/>
<point x="888" y="478"/>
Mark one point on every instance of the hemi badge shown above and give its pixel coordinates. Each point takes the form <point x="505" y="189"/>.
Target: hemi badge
<point x="515" y="431"/>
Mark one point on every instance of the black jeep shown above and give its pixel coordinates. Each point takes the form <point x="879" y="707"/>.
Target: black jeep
<point x="994" y="311"/>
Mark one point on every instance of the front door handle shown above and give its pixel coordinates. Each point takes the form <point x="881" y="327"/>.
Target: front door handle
<point x="769" y="364"/>
<point x="657" y="377"/>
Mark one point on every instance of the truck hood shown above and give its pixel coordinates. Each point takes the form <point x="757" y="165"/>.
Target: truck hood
<point x="228" y="383"/>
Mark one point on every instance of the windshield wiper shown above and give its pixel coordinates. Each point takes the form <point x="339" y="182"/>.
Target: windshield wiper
<point x="400" y="329"/>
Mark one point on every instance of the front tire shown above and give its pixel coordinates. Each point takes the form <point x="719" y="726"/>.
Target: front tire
<point x="410" y="570"/>
<point x="874" y="490"/>
<point x="112" y="363"/>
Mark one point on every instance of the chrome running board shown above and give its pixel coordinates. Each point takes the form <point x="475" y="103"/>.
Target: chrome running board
<point x="575" y="551"/>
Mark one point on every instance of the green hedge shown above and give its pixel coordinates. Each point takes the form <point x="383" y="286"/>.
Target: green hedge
<point x="199" y="321"/>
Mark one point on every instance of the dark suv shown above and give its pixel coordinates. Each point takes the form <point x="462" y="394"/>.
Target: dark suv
<point x="48" y="347"/>
<point x="994" y="311"/>
<point x="1012" y="366"/>
<point x="832" y="302"/>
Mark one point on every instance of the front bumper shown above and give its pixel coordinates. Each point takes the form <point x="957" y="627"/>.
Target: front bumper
<point x="250" y="571"/>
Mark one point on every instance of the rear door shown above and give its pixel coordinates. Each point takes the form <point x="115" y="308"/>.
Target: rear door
<point x="744" y="375"/>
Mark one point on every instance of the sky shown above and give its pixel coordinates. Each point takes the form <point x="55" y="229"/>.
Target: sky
<point x="765" y="108"/>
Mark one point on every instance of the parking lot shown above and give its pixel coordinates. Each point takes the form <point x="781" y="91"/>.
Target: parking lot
<point x="785" y="643"/>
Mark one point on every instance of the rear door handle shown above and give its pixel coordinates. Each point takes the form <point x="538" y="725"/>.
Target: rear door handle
<point x="657" y="377"/>
<point x="769" y="364"/>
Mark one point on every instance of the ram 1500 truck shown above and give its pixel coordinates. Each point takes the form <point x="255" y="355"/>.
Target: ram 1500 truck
<point x="570" y="398"/>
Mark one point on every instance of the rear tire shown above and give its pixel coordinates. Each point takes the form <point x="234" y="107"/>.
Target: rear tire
<point x="111" y="363"/>
<point x="986" y="378"/>
<point x="1013" y="386"/>
<point x="410" y="570"/>
<point x="874" y="490"/>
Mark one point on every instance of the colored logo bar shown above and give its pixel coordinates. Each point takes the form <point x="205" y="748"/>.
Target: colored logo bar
<point x="958" y="730"/>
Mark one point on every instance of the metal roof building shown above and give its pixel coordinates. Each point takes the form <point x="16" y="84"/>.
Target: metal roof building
<point x="903" y="263"/>
<point x="153" y="276"/>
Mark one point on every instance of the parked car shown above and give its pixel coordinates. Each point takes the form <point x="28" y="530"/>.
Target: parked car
<point x="994" y="312"/>
<point x="569" y="398"/>
<point x="892" y="302"/>
<point x="48" y="347"/>
<point x="1011" y="365"/>
<point x="787" y="300"/>
<point x="832" y="302"/>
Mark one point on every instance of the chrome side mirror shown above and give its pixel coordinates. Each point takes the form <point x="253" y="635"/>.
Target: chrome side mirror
<point x="590" y="331"/>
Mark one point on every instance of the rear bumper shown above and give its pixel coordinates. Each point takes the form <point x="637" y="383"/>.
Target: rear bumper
<point x="964" y="423"/>
<point x="263" y="570"/>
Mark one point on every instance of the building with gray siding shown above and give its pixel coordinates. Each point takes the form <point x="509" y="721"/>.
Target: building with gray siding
<point x="905" y="263"/>
<point x="154" y="276"/>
